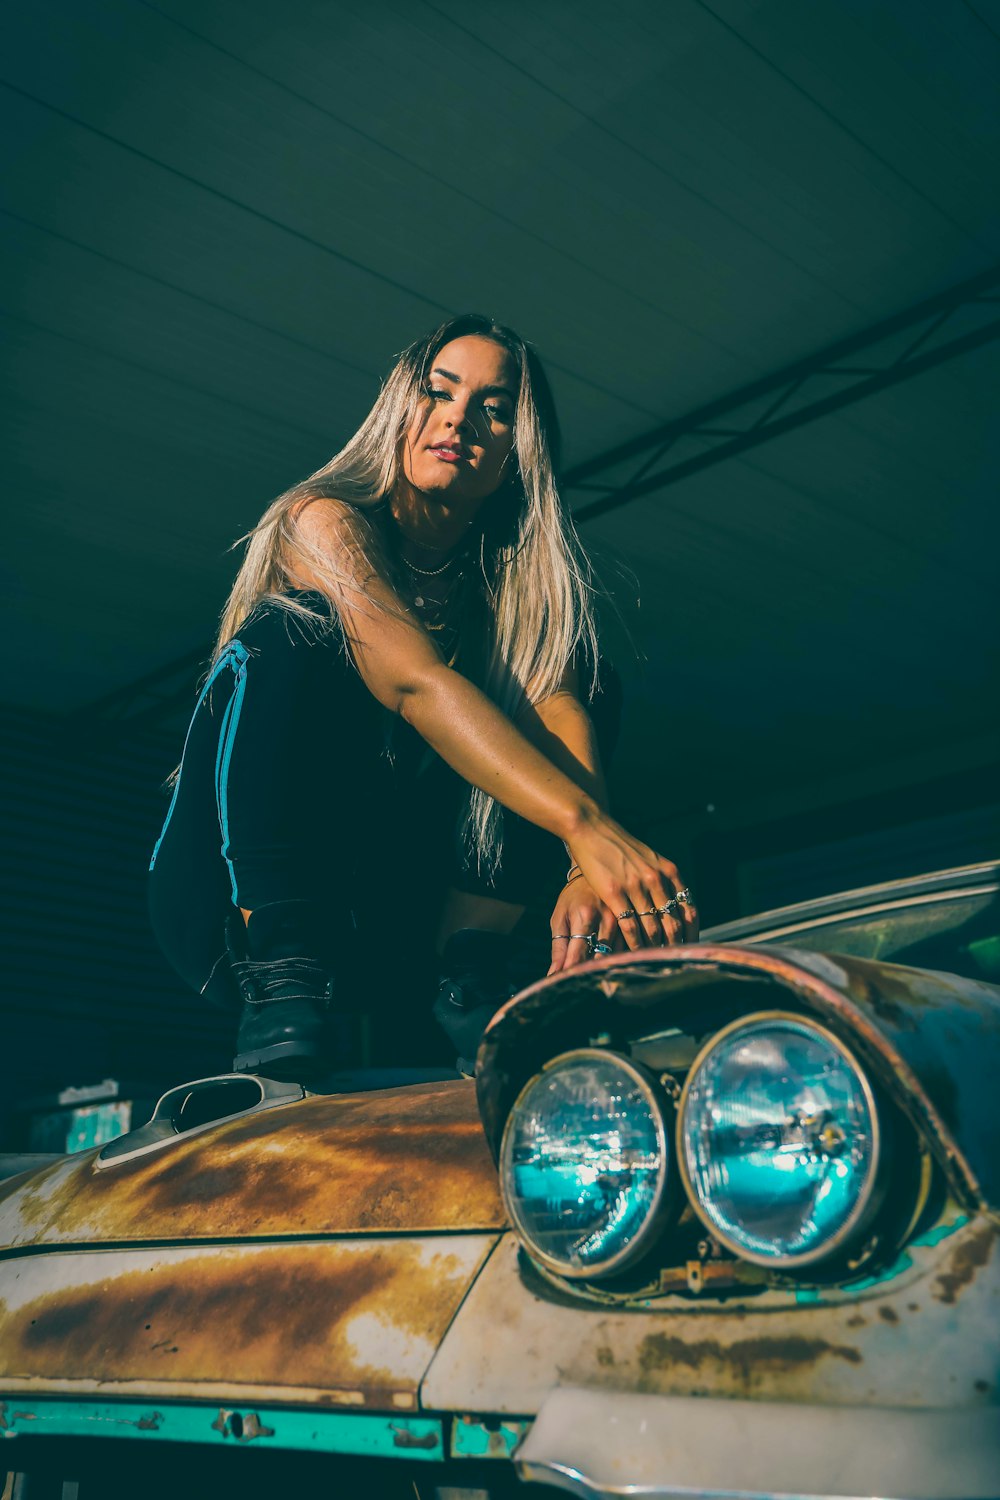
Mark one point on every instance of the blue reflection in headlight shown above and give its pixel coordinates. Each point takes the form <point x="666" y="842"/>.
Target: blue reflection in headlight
<point x="778" y="1137"/>
<point x="583" y="1162"/>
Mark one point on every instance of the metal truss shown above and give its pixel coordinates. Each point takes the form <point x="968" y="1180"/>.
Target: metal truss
<point x="892" y="351"/>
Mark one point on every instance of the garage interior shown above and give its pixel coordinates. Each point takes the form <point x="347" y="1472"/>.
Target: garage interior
<point x="757" y="245"/>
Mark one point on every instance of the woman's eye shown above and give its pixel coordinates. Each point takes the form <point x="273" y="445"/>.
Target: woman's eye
<point x="436" y="393"/>
<point x="497" y="413"/>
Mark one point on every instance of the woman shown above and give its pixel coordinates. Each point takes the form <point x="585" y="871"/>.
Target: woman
<point x="406" y="640"/>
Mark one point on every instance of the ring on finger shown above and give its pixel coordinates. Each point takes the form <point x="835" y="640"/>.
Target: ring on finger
<point x="623" y="914"/>
<point x="560" y="937"/>
<point x="600" y="949"/>
<point x="684" y="896"/>
<point x="668" y="909"/>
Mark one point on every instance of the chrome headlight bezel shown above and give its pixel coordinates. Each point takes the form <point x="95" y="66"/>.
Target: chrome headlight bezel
<point x="667" y="1190"/>
<point x="872" y="1191"/>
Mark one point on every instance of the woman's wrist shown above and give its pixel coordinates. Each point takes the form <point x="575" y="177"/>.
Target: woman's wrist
<point x="584" y="815"/>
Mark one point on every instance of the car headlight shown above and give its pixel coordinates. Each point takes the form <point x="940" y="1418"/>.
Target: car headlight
<point x="779" y="1140"/>
<point x="585" y="1163"/>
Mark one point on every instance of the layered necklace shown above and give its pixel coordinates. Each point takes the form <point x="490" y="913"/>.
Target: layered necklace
<point x="436" y="592"/>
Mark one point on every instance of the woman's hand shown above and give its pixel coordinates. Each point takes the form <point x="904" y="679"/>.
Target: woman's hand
<point x="638" y="886"/>
<point x="577" y="914"/>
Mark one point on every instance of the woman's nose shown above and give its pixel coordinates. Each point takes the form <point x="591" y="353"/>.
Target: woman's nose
<point x="458" y="414"/>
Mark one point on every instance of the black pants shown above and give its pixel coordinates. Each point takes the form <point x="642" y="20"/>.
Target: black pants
<point x="297" y="786"/>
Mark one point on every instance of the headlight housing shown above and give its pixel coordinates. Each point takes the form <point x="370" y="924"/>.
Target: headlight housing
<point x="779" y="1139"/>
<point x="586" y="1163"/>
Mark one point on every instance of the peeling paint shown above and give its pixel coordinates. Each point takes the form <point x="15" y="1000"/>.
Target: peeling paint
<point x="353" y="1321"/>
<point x="404" y="1437"/>
<point x="746" y="1358"/>
<point x="412" y="1160"/>
<point x="969" y="1257"/>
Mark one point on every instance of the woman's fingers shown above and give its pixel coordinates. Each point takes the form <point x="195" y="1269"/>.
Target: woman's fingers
<point x="560" y="944"/>
<point x="579" y="923"/>
<point x="660" y="918"/>
<point x="630" y="927"/>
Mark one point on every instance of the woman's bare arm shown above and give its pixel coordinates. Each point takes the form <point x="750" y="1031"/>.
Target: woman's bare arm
<point x="404" y="670"/>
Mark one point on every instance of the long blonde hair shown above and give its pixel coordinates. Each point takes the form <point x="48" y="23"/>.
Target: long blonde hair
<point x="537" y="581"/>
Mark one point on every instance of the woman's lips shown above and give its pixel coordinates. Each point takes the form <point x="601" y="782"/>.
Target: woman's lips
<point x="448" y="455"/>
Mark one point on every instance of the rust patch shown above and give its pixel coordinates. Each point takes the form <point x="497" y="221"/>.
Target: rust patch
<point x="412" y="1159"/>
<point x="150" y="1423"/>
<point x="855" y="1321"/>
<point x="362" y="1318"/>
<point x="888" y="1314"/>
<point x="403" y="1438"/>
<point x="745" y="1359"/>
<point x="605" y="1356"/>
<point x="967" y="1258"/>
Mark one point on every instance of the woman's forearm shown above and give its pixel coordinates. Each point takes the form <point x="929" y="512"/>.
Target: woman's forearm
<point x="480" y="742"/>
<point x="562" y="729"/>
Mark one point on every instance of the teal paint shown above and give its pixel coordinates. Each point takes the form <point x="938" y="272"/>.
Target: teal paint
<point x="474" y="1437"/>
<point x="941" y="1231"/>
<point x="361" y="1434"/>
<point x="903" y="1262"/>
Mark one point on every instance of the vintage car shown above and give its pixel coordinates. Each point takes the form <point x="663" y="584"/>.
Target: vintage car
<point x="715" y="1221"/>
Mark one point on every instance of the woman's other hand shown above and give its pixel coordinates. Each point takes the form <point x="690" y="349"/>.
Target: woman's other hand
<point x="577" y="915"/>
<point x="644" y="893"/>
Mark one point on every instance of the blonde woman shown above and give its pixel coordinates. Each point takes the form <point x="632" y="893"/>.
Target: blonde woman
<point x="392" y="747"/>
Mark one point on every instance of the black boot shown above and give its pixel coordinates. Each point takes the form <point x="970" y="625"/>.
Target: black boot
<point x="479" y="972"/>
<point x="288" y="994"/>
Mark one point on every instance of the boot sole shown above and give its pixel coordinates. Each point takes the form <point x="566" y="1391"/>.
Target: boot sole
<point x="287" y="1061"/>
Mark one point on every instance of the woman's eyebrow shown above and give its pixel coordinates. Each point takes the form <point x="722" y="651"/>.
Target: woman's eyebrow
<point x="487" y="390"/>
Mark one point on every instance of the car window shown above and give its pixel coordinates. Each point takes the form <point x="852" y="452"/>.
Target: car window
<point x="959" y="934"/>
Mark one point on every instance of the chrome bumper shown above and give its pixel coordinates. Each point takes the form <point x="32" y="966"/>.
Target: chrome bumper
<point x="606" y="1444"/>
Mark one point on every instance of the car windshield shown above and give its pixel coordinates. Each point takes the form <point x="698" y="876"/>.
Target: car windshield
<point x="958" y="933"/>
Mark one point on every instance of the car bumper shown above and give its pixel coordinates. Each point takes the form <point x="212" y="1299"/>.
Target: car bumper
<point x="604" y="1444"/>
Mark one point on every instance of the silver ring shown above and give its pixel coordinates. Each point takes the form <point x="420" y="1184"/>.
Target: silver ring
<point x="684" y="897"/>
<point x="601" y="948"/>
<point x="667" y="910"/>
<point x="623" y="914"/>
<point x="560" y="937"/>
<point x="588" y="937"/>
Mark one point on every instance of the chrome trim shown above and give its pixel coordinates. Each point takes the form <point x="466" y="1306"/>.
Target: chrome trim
<point x="563" y="1477"/>
<point x="659" y="1106"/>
<point x="868" y="1198"/>
<point x="966" y="880"/>
<point x="160" y="1130"/>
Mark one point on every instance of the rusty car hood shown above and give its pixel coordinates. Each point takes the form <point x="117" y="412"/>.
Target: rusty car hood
<point x="932" y="1038"/>
<point x="407" y="1160"/>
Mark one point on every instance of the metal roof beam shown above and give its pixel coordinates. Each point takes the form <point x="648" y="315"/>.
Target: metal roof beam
<point x="757" y="419"/>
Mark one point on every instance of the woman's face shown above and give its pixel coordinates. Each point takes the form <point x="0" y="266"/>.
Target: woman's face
<point x="458" y="447"/>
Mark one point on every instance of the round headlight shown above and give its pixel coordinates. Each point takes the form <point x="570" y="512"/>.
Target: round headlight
<point x="779" y="1140"/>
<point x="584" y="1163"/>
